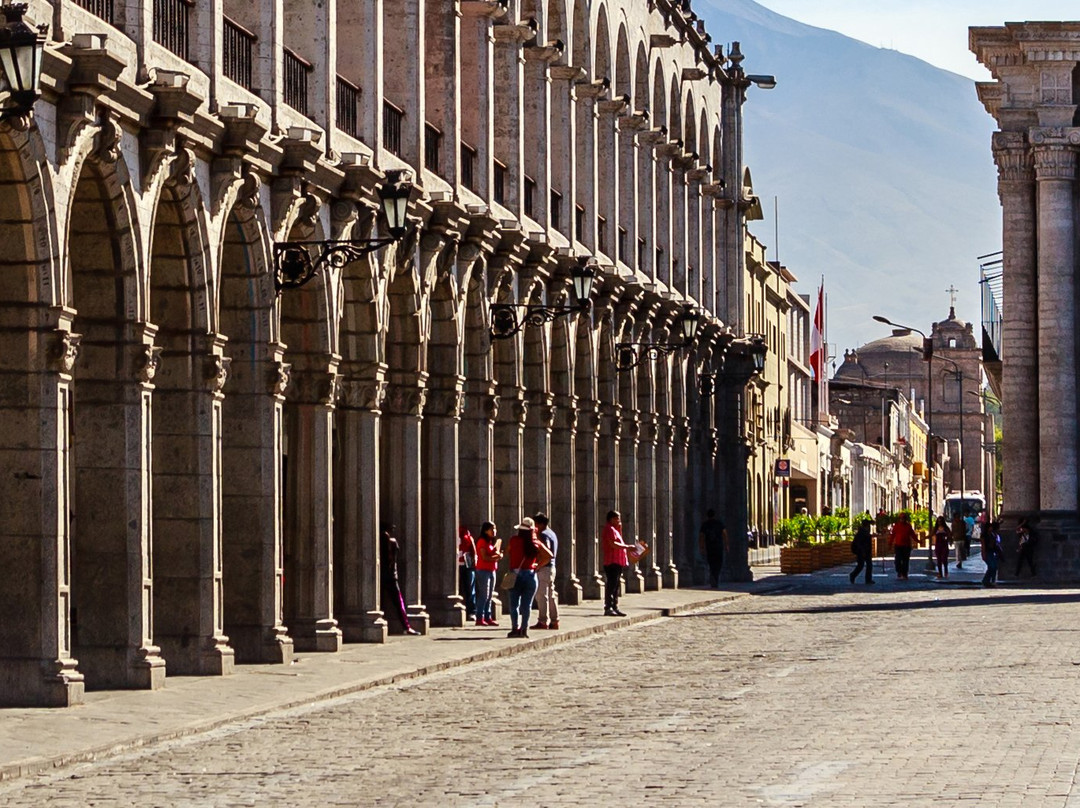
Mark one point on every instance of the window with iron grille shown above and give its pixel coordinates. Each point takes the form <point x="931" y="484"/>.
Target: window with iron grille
<point x="392" y="119"/>
<point x="620" y="246"/>
<point x="237" y="47"/>
<point x="500" y="182"/>
<point x="297" y="70"/>
<point x="348" y="107"/>
<point x="579" y="221"/>
<point x="556" y="209"/>
<point x="102" y="8"/>
<point x="530" y="194"/>
<point x="601" y="231"/>
<point x="468" y="166"/>
<point x="432" y="148"/>
<point x="171" y="28"/>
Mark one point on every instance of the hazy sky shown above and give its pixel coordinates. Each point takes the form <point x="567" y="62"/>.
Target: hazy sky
<point x="933" y="30"/>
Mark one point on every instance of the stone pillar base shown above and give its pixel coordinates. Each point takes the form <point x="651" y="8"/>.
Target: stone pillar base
<point x="593" y="587"/>
<point x="186" y="656"/>
<point x="260" y="645"/>
<point x="115" y="669"/>
<point x="40" y="683"/>
<point x="1057" y="553"/>
<point x="635" y="581"/>
<point x="654" y="581"/>
<point x="571" y="592"/>
<point x="322" y="636"/>
<point x="366" y="627"/>
<point x="218" y="660"/>
<point x="419" y="619"/>
<point x="671" y="577"/>
<point x="446" y="612"/>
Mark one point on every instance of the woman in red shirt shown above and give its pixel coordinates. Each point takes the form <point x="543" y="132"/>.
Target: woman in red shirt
<point x="524" y="558"/>
<point x="487" y="560"/>
<point x="903" y="539"/>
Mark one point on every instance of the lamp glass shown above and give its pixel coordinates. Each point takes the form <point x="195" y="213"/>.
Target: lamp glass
<point x="689" y="321"/>
<point x="583" y="278"/>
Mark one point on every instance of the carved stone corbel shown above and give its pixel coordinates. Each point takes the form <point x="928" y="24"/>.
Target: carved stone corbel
<point x="217" y="373"/>
<point x="148" y="363"/>
<point x="65" y="351"/>
<point x="280" y="376"/>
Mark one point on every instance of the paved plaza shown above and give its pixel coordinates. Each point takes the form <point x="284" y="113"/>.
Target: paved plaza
<point x="812" y="692"/>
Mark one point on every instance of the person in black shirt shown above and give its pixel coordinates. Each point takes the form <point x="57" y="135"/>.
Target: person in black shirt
<point x="712" y="542"/>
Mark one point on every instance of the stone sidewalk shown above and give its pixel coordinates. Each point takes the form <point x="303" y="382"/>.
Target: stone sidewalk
<point x="32" y="740"/>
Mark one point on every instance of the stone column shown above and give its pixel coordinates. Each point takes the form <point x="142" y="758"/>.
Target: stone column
<point x="665" y="496"/>
<point x="1055" y="168"/>
<point x="509" y="427"/>
<point x="1020" y="365"/>
<point x="586" y="485"/>
<point x="685" y="542"/>
<point x="536" y="461"/>
<point x="647" y="501"/>
<point x="400" y="485"/>
<point x="442" y="414"/>
<point x="357" y="595"/>
<point x="564" y="513"/>
<point x="629" y="492"/>
<point x="476" y="467"/>
<point x="509" y="68"/>
<point x="309" y="511"/>
<point x="607" y="467"/>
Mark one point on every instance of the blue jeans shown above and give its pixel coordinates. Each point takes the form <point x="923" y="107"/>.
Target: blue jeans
<point x="467" y="589"/>
<point x="521" y="598"/>
<point x="991" y="570"/>
<point x="485" y="587"/>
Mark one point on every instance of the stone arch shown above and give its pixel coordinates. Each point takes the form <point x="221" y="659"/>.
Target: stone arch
<point x="560" y="202"/>
<point x="481" y="403"/>
<point x="645" y="235"/>
<point x="625" y="236"/>
<point x="585" y="142"/>
<point x="36" y="664"/>
<point x="188" y="623"/>
<point x="111" y="626"/>
<point x="252" y="440"/>
<point x="662" y="119"/>
<point x="586" y="505"/>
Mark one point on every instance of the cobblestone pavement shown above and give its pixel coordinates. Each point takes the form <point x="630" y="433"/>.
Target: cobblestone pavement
<point x="822" y="695"/>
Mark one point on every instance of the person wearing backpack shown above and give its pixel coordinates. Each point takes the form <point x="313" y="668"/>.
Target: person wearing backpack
<point x="863" y="548"/>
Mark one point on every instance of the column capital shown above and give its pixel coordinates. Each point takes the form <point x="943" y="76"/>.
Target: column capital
<point x="1055" y="162"/>
<point x="404" y="399"/>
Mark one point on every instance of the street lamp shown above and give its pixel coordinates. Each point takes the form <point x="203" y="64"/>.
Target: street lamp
<point x="928" y="355"/>
<point x="507" y="319"/>
<point x="629" y="355"/>
<point x="21" y="48"/>
<point x="297" y="262"/>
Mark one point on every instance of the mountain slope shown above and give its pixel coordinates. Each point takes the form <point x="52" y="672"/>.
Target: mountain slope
<point x="882" y="166"/>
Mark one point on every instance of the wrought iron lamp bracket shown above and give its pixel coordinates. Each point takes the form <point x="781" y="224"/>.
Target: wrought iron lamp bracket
<point x="296" y="262"/>
<point x="629" y="355"/>
<point x="510" y="319"/>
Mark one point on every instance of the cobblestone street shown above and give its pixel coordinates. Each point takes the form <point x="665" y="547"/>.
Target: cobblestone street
<point x="819" y="695"/>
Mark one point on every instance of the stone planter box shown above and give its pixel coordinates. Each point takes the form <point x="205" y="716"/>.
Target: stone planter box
<point x="806" y="559"/>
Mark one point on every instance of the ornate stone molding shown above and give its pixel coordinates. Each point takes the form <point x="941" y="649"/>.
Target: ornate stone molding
<point x="363" y="394"/>
<point x="1056" y="136"/>
<point x="332" y="390"/>
<point x="1013" y="157"/>
<point x="401" y="400"/>
<point x="490" y="406"/>
<point x="216" y="373"/>
<point x="107" y="139"/>
<point x="280" y="376"/>
<point x="65" y="351"/>
<point x="1055" y="163"/>
<point x="445" y="403"/>
<point x="148" y="363"/>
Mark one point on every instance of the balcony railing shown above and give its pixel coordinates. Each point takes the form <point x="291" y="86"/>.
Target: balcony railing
<point x="237" y="49"/>
<point x="468" y="166"/>
<point x="171" y="25"/>
<point x="393" y="118"/>
<point x="348" y="107"/>
<point x="102" y="8"/>
<point x="297" y="70"/>
<point x="432" y="148"/>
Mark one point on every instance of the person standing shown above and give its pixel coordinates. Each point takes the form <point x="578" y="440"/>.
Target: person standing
<point x="615" y="560"/>
<point x="393" y="602"/>
<point x="525" y="554"/>
<point x="1026" y="549"/>
<point x="902" y="539"/>
<point x="466" y="566"/>
<point x="712" y="542"/>
<point x="863" y="547"/>
<point x="991" y="552"/>
<point x="546" y="599"/>
<point x="959" y="537"/>
<point x="942" y="535"/>
<point x="488" y="553"/>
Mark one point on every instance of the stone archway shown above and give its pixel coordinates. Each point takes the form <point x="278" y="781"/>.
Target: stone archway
<point x="587" y="523"/>
<point x="112" y="589"/>
<point x="36" y="664"/>
<point x="252" y="444"/>
<point x="188" y="622"/>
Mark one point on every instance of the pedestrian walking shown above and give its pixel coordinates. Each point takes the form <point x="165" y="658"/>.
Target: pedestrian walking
<point x="488" y="553"/>
<point x="991" y="552"/>
<point x="393" y="602"/>
<point x="902" y="538"/>
<point x="863" y="547"/>
<point x="959" y="537"/>
<point x="1026" y="549"/>
<point x="942" y="535"/>
<point x="547" y="601"/>
<point x="615" y="560"/>
<point x="526" y="553"/>
<point x="466" y="571"/>
<point x="712" y="542"/>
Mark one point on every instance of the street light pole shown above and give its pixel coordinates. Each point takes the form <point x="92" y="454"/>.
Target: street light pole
<point x="928" y="355"/>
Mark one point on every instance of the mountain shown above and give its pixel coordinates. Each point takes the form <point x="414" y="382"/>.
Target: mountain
<point x="882" y="166"/>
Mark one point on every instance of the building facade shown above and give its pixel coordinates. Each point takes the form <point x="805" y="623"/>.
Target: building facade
<point x="1033" y="97"/>
<point x="197" y="468"/>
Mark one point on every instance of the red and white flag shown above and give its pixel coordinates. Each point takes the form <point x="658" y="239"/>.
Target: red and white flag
<point x="818" y="356"/>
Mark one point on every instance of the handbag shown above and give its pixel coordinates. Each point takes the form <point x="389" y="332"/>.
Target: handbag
<point x="508" y="580"/>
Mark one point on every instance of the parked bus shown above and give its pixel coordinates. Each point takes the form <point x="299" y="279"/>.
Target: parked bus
<point x="970" y="503"/>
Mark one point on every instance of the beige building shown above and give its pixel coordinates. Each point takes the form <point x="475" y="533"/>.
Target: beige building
<point x="198" y="467"/>
<point x="1033" y="97"/>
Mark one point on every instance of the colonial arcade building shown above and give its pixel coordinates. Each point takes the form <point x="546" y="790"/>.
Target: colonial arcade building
<point x="195" y="467"/>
